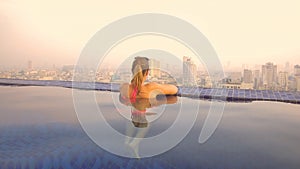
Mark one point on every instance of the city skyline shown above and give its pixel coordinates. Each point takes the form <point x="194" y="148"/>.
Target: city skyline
<point x="263" y="77"/>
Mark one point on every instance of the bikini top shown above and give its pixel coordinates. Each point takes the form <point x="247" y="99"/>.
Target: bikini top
<point x="132" y="98"/>
<point x="133" y="95"/>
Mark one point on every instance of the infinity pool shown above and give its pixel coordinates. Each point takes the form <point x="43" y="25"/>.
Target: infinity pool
<point x="39" y="129"/>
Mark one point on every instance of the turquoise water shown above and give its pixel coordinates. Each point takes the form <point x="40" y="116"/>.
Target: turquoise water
<point x="39" y="129"/>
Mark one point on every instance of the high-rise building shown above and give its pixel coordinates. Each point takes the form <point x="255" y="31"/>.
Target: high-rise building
<point x="234" y="77"/>
<point x="29" y="65"/>
<point x="208" y="82"/>
<point x="189" y="72"/>
<point x="297" y="77"/>
<point x="297" y="70"/>
<point x="269" y="75"/>
<point x="298" y="83"/>
<point x="283" y="80"/>
<point x="287" y="67"/>
<point x="154" y="68"/>
<point x="248" y="78"/>
<point x="256" y="79"/>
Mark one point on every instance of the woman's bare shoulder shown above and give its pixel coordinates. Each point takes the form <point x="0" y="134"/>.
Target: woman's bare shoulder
<point x="152" y="85"/>
<point x="164" y="88"/>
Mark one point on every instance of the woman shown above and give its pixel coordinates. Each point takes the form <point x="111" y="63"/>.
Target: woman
<point x="137" y="88"/>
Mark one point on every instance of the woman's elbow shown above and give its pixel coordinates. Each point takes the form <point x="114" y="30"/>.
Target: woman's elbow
<point x="173" y="90"/>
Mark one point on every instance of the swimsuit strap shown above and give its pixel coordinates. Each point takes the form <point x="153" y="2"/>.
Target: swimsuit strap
<point x="133" y="95"/>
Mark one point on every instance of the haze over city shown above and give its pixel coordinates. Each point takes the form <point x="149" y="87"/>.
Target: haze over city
<point x="54" y="32"/>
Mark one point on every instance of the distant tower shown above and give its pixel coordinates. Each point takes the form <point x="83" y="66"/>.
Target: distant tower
<point x="283" y="80"/>
<point x="189" y="72"/>
<point x="243" y="66"/>
<point x="269" y="75"/>
<point x="297" y="76"/>
<point x="297" y="70"/>
<point x="248" y="76"/>
<point x="154" y="68"/>
<point x="29" y="65"/>
<point x="298" y="83"/>
<point x="287" y="67"/>
<point x="256" y="79"/>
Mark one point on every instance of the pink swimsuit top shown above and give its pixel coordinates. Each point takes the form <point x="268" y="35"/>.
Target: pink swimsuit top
<point x="132" y="98"/>
<point x="133" y="95"/>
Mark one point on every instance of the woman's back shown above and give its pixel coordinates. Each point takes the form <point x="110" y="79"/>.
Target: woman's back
<point x="149" y="90"/>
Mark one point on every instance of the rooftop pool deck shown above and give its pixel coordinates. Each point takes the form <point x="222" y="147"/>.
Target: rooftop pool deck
<point x="236" y="95"/>
<point x="39" y="129"/>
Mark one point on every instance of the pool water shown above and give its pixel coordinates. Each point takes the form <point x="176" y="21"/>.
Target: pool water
<point x="39" y="129"/>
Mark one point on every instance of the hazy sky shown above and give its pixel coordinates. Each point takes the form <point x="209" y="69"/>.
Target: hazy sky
<point x="54" y="32"/>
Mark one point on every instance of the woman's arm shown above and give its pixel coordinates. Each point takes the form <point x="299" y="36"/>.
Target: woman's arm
<point x="124" y="89"/>
<point x="166" y="89"/>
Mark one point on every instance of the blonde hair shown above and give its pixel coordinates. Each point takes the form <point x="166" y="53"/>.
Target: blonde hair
<point x="140" y="67"/>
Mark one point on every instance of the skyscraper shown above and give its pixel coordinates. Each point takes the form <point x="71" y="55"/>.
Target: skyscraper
<point x="287" y="67"/>
<point x="256" y="79"/>
<point x="189" y="72"/>
<point x="297" y="70"/>
<point x="297" y="76"/>
<point x="154" y="68"/>
<point x="269" y="75"/>
<point x="298" y="83"/>
<point x="283" y="80"/>
<point x="29" y="65"/>
<point x="248" y="76"/>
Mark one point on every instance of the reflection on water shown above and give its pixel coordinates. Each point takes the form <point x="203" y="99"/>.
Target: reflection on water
<point x="139" y="108"/>
<point x="139" y="112"/>
<point x="39" y="129"/>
